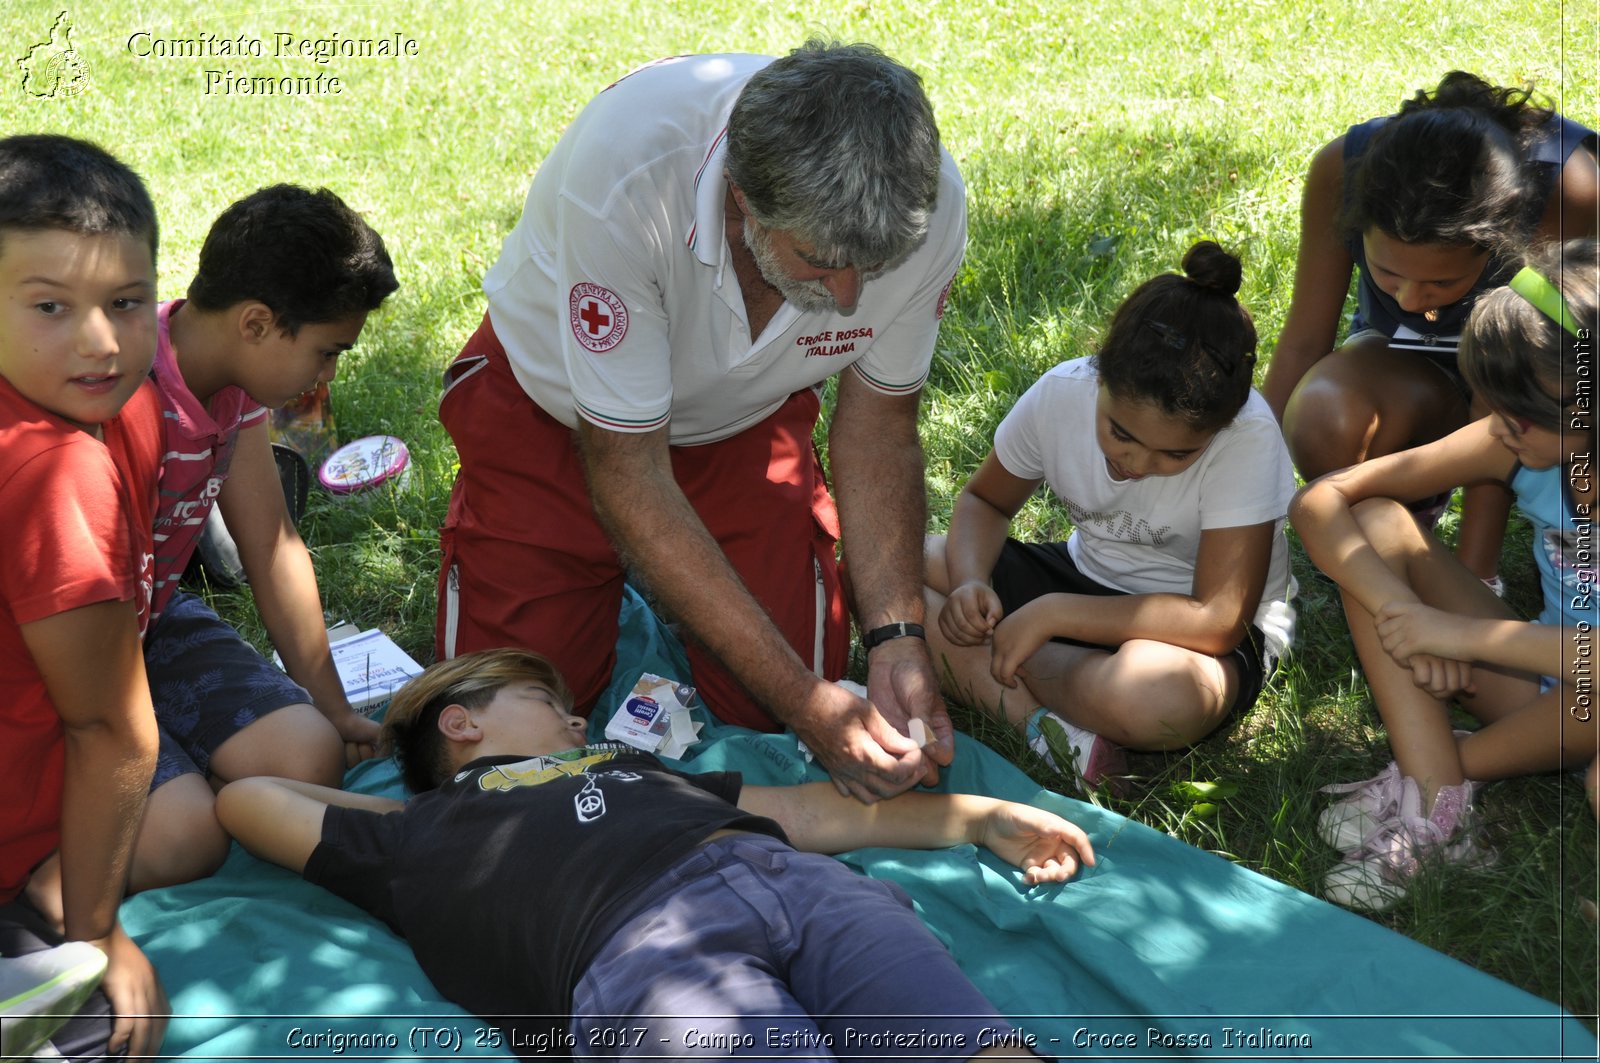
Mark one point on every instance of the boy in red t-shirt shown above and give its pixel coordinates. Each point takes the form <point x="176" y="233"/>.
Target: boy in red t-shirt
<point x="80" y="451"/>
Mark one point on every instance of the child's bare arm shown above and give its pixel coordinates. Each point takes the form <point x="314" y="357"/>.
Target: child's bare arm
<point x="284" y="584"/>
<point x="1409" y="628"/>
<point x="1321" y="279"/>
<point x="979" y="520"/>
<point x="281" y="819"/>
<point x="817" y="818"/>
<point x="1321" y="512"/>
<point x="1230" y="573"/>
<point x="93" y="668"/>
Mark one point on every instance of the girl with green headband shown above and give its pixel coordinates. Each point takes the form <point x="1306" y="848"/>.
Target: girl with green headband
<point x="1427" y="631"/>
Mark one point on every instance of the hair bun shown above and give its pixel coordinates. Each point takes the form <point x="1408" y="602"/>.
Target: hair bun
<point x="1209" y="266"/>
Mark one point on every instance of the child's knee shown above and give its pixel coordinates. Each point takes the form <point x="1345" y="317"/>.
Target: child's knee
<point x="294" y="742"/>
<point x="1387" y="525"/>
<point x="934" y="572"/>
<point x="179" y="839"/>
<point x="1171" y="697"/>
<point x="1328" y="424"/>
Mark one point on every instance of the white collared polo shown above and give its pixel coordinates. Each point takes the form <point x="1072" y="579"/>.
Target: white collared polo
<point x="616" y="299"/>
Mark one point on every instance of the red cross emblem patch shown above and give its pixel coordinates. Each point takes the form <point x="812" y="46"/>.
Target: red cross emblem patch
<point x="599" y="320"/>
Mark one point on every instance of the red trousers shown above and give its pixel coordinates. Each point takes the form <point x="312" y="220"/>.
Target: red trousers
<point x="527" y="564"/>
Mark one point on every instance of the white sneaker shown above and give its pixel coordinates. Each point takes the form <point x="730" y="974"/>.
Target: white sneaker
<point x="1349" y="822"/>
<point x="1094" y="759"/>
<point x="1378" y="876"/>
<point x="40" y="991"/>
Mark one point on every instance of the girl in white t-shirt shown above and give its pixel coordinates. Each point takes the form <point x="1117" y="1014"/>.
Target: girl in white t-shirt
<point x="1167" y="606"/>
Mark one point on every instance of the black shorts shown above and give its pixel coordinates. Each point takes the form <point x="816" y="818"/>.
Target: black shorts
<point x="1026" y="571"/>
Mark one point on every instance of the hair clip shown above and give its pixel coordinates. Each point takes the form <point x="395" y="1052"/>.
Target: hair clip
<point x="1536" y="288"/>
<point x="1171" y="337"/>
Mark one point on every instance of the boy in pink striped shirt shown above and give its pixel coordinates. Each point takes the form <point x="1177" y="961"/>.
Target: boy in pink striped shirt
<point x="286" y="279"/>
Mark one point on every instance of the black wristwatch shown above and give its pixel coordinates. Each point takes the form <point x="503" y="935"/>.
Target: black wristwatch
<point x="879" y="635"/>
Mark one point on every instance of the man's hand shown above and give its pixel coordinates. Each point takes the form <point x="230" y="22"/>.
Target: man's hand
<point x="902" y="686"/>
<point x="359" y="734"/>
<point x="1018" y="637"/>
<point x="866" y="756"/>
<point x="970" y="614"/>
<point x="1045" y="846"/>
<point x="138" y="1002"/>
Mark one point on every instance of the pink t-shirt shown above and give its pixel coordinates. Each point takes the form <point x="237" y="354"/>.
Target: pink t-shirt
<point x="198" y="448"/>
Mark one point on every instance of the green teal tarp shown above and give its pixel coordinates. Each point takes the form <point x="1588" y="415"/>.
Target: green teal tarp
<point x="1160" y="951"/>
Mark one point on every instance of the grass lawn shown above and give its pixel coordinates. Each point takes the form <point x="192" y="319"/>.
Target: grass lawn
<point x="1098" y="140"/>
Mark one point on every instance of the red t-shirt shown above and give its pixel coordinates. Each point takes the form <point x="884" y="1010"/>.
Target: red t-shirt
<point x="78" y="517"/>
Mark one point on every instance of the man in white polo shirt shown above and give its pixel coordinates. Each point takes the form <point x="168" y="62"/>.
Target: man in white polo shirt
<point x="710" y="240"/>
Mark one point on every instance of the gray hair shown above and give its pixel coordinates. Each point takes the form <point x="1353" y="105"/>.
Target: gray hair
<point x="836" y="143"/>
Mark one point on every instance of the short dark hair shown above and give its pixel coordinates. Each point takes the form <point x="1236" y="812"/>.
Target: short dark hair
<point x="411" y="724"/>
<point x="304" y="254"/>
<point x="49" y="181"/>
<point x="1452" y="168"/>
<point x="1184" y="344"/>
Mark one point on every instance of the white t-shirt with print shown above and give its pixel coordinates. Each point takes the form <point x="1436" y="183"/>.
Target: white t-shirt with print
<point x="1142" y="536"/>
<point x="615" y="296"/>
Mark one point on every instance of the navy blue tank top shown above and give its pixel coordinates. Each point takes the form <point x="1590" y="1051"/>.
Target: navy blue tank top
<point x="1376" y="309"/>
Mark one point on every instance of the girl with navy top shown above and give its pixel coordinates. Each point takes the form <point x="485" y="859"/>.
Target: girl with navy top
<point x="1166" y="607"/>
<point x="1428" y="633"/>
<point x="1426" y="208"/>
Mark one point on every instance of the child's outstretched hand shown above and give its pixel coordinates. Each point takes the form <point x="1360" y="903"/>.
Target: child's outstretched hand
<point x="1045" y="846"/>
<point x="970" y="614"/>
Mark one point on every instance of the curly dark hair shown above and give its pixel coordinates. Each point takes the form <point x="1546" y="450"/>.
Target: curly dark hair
<point x="1451" y="168"/>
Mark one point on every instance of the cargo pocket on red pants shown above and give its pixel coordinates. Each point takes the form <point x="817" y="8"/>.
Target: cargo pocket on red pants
<point x="831" y="652"/>
<point x="448" y="623"/>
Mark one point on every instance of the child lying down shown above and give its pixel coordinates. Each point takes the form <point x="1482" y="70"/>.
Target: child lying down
<point x="538" y="878"/>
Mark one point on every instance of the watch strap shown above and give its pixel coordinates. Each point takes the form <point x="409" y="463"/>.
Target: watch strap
<point x="879" y="635"/>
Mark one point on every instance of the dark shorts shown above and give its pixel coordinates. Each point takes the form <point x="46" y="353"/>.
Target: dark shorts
<point x="84" y="1037"/>
<point x="208" y="684"/>
<point x="755" y="949"/>
<point x="1026" y="571"/>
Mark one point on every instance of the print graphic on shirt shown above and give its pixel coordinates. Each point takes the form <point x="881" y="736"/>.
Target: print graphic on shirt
<point x="1410" y="339"/>
<point x="598" y="318"/>
<point x="538" y="770"/>
<point x="1119" y="524"/>
<point x="831" y="342"/>
<point x="194" y="512"/>
<point x="590" y="802"/>
<point x="1571" y="554"/>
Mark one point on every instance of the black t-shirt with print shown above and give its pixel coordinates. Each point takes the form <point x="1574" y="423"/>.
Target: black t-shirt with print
<point x="507" y="879"/>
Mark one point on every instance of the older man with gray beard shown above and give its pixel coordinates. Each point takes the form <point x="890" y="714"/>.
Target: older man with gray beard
<point x="710" y="240"/>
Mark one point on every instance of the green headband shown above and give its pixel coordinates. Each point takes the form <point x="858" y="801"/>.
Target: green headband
<point x="1545" y="297"/>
